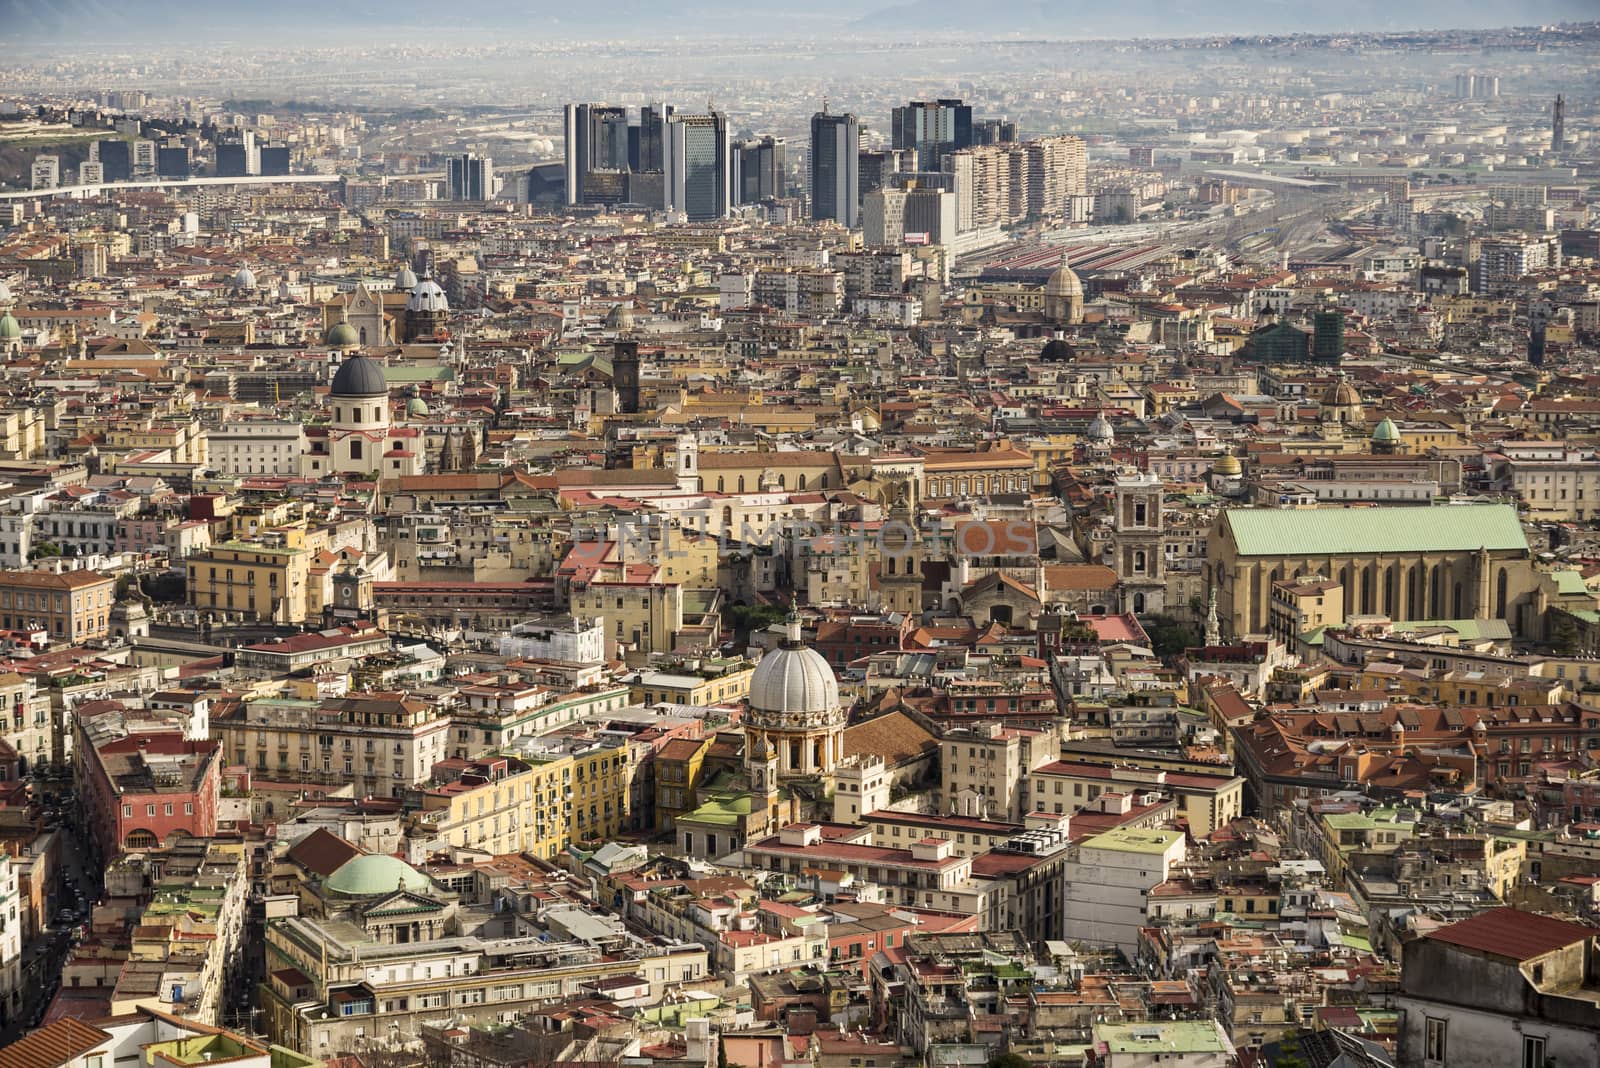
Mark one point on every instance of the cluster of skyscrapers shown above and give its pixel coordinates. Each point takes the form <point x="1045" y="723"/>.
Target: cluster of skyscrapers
<point x="667" y="160"/>
<point x="945" y="172"/>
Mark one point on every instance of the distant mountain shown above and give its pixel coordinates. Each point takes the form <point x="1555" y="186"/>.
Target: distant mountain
<point x="306" y="20"/>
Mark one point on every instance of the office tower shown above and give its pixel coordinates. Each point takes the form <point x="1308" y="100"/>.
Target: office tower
<point x="116" y="160"/>
<point x="759" y="170"/>
<point x="883" y="217"/>
<point x="274" y="159"/>
<point x="45" y="172"/>
<point x="233" y="159"/>
<point x="1327" y="335"/>
<point x="597" y="139"/>
<point x="835" y="168"/>
<point x="932" y="128"/>
<point x="172" y="161"/>
<point x="877" y="169"/>
<point x="652" y="136"/>
<point x="469" y="176"/>
<point x="930" y="216"/>
<point x="1558" y="124"/>
<point x="698" y="171"/>
<point x="993" y="131"/>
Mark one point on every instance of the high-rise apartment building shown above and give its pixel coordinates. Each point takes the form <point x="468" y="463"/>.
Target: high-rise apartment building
<point x="469" y="176"/>
<point x="144" y="158"/>
<point x="836" y="168"/>
<point x="45" y="172"/>
<point x="698" y="167"/>
<point x="932" y="128"/>
<point x="1001" y="185"/>
<point x="759" y="170"/>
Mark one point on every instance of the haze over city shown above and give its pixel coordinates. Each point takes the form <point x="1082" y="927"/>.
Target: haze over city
<point x="711" y="535"/>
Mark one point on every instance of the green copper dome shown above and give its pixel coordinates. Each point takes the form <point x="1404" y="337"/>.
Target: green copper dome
<point x="341" y="335"/>
<point x="416" y="406"/>
<point x="1386" y="431"/>
<point x="10" y="329"/>
<point x="374" y="875"/>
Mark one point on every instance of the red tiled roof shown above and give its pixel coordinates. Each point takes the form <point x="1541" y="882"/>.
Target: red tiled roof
<point x="1512" y="934"/>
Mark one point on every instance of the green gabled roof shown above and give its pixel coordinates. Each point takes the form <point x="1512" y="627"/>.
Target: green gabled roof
<point x="1343" y="531"/>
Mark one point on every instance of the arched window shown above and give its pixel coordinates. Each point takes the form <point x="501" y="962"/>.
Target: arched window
<point x="741" y="483"/>
<point x="1455" y="602"/>
<point x="1411" y="593"/>
<point x="1138" y="602"/>
<point x="1138" y="561"/>
<point x="1366" y="589"/>
<point x="363" y="335"/>
<point x="141" y="839"/>
<point x="802" y="483"/>
<point x="1436" y="592"/>
<point x="1500" y="595"/>
<point x="719" y="483"/>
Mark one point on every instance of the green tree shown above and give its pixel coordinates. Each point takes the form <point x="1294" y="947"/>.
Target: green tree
<point x="1010" y="1060"/>
<point x="1563" y="635"/>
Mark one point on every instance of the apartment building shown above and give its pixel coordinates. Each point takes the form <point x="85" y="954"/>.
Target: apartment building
<point x="379" y="744"/>
<point x="73" y="606"/>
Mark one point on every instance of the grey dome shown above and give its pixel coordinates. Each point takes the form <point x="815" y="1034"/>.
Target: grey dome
<point x="405" y="279"/>
<point x="244" y="279"/>
<point x="360" y="376"/>
<point x="793" y="678"/>
<point x="426" y="296"/>
<point x="1100" y="429"/>
<point x="620" y="317"/>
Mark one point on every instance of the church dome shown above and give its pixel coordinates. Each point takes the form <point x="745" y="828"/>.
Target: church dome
<point x="426" y="296"/>
<point x="1227" y="465"/>
<point x="416" y="407"/>
<point x="341" y="335"/>
<point x="361" y="376"/>
<point x="244" y="279"/>
<point x="1055" y="350"/>
<point x="1100" y="430"/>
<point x="10" y="329"/>
<point x="375" y="875"/>
<point x="793" y="679"/>
<point x="620" y="317"/>
<point x="1063" y="282"/>
<point x="405" y="280"/>
<point x="1386" y="431"/>
<point x="1341" y="395"/>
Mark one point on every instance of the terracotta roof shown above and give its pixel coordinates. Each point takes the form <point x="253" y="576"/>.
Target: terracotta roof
<point x="57" y="1043"/>
<point x="896" y="737"/>
<point x="1513" y="934"/>
<point x="322" y="852"/>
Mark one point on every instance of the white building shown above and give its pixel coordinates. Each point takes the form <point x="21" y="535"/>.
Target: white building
<point x="573" y="641"/>
<point x="10" y="939"/>
<point x="257" y="448"/>
<point x="1107" y="883"/>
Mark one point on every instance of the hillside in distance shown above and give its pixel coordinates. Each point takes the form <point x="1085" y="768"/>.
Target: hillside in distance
<point x="304" y="21"/>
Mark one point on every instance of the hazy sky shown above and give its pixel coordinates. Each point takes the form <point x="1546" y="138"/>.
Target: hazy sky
<point x="305" y="20"/>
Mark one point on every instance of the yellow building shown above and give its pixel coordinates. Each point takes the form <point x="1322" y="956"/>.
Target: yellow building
<point x="539" y="803"/>
<point x="264" y="578"/>
<point x="642" y="616"/>
<point x="74" y="606"/>
<point x="711" y="682"/>
<point x="1304" y="603"/>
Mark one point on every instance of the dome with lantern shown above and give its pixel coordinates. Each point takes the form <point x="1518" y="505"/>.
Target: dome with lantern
<point x="794" y="705"/>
